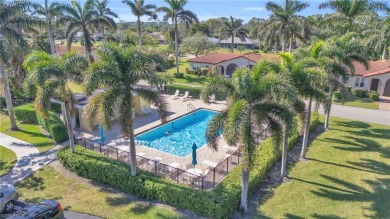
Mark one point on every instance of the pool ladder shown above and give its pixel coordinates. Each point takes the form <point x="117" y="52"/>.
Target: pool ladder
<point x="190" y="107"/>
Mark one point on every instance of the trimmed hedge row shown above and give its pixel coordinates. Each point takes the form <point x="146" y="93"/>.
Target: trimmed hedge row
<point x="55" y="127"/>
<point x="194" y="91"/>
<point x="26" y="114"/>
<point x="220" y="202"/>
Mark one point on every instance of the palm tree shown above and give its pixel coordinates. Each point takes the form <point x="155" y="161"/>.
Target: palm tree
<point x="350" y="10"/>
<point x="49" y="76"/>
<point x="51" y="13"/>
<point x="12" y="19"/>
<point x="378" y="37"/>
<point x="118" y="71"/>
<point x="249" y="111"/>
<point x="177" y="13"/>
<point x="284" y="18"/>
<point x="139" y="9"/>
<point x="337" y="57"/>
<point x="83" y="19"/>
<point x="104" y="11"/>
<point x="233" y="28"/>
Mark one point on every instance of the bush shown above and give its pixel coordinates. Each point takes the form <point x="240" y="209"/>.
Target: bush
<point x="55" y="127"/>
<point x="194" y="91"/>
<point x="178" y="75"/>
<point x="255" y="51"/>
<point x="361" y="93"/>
<point x="192" y="72"/>
<point x="26" y="114"/>
<point x="204" y="71"/>
<point x="338" y="95"/>
<point x="220" y="202"/>
<point x="374" y="96"/>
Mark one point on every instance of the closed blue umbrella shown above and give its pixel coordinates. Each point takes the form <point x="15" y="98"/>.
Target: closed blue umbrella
<point x="194" y="162"/>
<point x="101" y="133"/>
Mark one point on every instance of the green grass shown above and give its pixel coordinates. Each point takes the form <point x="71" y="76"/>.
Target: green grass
<point x="85" y="197"/>
<point x="29" y="133"/>
<point x="188" y="79"/>
<point x="347" y="176"/>
<point x="359" y="102"/>
<point x="75" y="88"/>
<point x="7" y="160"/>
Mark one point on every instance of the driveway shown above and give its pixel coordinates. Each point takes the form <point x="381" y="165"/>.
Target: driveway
<point x="360" y="114"/>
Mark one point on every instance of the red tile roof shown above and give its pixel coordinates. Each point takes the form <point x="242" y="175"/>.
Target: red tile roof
<point x="215" y="58"/>
<point x="375" y="68"/>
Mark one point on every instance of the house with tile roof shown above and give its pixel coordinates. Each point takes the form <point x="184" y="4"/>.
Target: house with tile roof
<point x="376" y="78"/>
<point x="238" y="42"/>
<point x="224" y="63"/>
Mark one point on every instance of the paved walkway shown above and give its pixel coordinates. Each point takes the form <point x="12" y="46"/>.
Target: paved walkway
<point x="360" y="114"/>
<point x="28" y="156"/>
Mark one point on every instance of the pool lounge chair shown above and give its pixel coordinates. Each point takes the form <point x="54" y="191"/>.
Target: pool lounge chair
<point x="146" y="110"/>
<point x="176" y="95"/>
<point x="229" y="148"/>
<point x="185" y="97"/>
<point x="212" y="98"/>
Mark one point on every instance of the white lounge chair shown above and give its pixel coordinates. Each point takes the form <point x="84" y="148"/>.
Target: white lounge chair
<point x="229" y="148"/>
<point x="176" y="95"/>
<point x="146" y="110"/>
<point x="185" y="97"/>
<point x="212" y="98"/>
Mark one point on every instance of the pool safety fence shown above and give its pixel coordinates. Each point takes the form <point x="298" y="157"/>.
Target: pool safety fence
<point x="205" y="181"/>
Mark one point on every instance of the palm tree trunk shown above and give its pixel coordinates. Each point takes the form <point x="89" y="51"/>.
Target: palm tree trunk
<point x="232" y="46"/>
<point x="139" y="32"/>
<point x="327" y="111"/>
<point x="244" y="193"/>
<point x="69" y="126"/>
<point x="384" y="52"/>
<point x="176" y="46"/>
<point x="51" y="39"/>
<point x="87" y="45"/>
<point x="307" y="129"/>
<point x="283" y="170"/>
<point x="133" y="158"/>
<point x="283" y="46"/>
<point x="290" y="46"/>
<point x="8" y="97"/>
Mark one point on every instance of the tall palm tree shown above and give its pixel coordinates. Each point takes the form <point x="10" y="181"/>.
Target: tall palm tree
<point x="378" y="37"/>
<point x="104" y="11"/>
<point x="176" y="12"/>
<point x="350" y="10"/>
<point x="118" y="71"/>
<point x="249" y="111"/>
<point x="337" y="57"/>
<point x="284" y="18"/>
<point x="12" y="19"/>
<point x="233" y="28"/>
<point x="51" y="13"/>
<point x="83" y="19"/>
<point x="139" y="9"/>
<point x="49" y="76"/>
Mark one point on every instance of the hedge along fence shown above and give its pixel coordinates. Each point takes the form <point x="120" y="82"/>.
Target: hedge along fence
<point x="220" y="202"/>
<point x="55" y="127"/>
<point x="26" y="114"/>
<point x="193" y="91"/>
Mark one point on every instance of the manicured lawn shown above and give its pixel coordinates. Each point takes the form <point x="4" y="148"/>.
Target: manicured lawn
<point x="188" y="79"/>
<point x="7" y="160"/>
<point x="347" y="176"/>
<point x="75" y="88"/>
<point x="359" y="102"/>
<point x="29" y="133"/>
<point x="82" y="196"/>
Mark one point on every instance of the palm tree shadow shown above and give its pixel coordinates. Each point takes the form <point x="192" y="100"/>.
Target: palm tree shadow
<point x="377" y="195"/>
<point x="353" y="124"/>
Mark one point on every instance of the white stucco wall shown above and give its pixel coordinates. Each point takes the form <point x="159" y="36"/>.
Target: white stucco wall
<point x="367" y="82"/>
<point x="352" y="80"/>
<point x="240" y="62"/>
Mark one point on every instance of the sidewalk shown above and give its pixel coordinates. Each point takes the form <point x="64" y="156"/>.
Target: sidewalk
<point x="28" y="156"/>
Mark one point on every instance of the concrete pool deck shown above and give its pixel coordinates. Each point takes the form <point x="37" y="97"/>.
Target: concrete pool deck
<point x="177" y="108"/>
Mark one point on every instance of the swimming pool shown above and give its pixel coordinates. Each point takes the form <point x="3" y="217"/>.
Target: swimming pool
<point x="183" y="132"/>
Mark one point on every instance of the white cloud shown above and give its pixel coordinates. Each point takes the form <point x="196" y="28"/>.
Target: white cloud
<point x="258" y="9"/>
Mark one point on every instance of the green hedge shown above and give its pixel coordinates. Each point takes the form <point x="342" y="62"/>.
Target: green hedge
<point x="361" y="93"/>
<point x="221" y="202"/>
<point x="338" y="95"/>
<point x="374" y="96"/>
<point x="194" y="91"/>
<point x="55" y="127"/>
<point x="26" y="114"/>
<point x="178" y="75"/>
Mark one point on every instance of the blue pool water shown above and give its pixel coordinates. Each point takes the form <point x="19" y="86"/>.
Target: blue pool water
<point x="183" y="133"/>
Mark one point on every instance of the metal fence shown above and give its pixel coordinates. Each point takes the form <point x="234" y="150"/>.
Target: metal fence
<point x="199" y="181"/>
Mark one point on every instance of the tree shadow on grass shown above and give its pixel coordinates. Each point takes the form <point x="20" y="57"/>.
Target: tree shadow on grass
<point x="353" y="124"/>
<point x="373" y="165"/>
<point x="32" y="183"/>
<point x="329" y="216"/>
<point x="377" y="195"/>
<point x="360" y="166"/>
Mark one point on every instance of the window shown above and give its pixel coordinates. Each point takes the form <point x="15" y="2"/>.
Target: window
<point x="359" y="82"/>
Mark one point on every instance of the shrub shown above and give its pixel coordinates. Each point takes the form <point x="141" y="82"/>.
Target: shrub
<point x="192" y="72"/>
<point x="194" y="91"/>
<point x="26" y="114"/>
<point x="204" y="71"/>
<point x="374" y="96"/>
<point x="361" y="93"/>
<point x="178" y="75"/>
<point x="255" y="51"/>
<point x="219" y="202"/>
<point x="55" y="127"/>
<point x="338" y="95"/>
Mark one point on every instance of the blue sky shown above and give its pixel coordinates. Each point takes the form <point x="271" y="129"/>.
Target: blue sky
<point x="206" y="9"/>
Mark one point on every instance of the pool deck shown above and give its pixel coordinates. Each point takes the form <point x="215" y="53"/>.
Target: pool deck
<point x="177" y="108"/>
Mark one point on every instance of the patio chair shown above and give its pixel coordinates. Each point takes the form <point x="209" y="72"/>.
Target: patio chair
<point x="212" y="98"/>
<point x="146" y="110"/>
<point x="176" y="95"/>
<point x="185" y="97"/>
